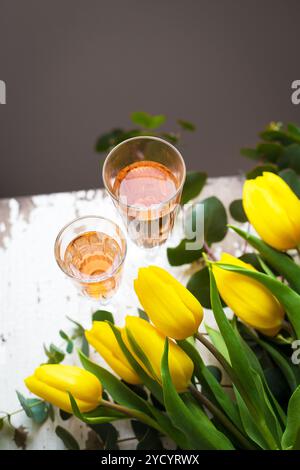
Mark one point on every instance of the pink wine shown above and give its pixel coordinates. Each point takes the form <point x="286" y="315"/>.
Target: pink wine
<point x="147" y="194"/>
<point x="93" y="258"/>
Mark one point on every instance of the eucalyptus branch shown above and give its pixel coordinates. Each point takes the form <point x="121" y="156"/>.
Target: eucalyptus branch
<point x="209" y="251"/>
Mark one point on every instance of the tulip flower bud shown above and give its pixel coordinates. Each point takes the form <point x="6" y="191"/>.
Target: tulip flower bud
<point x="104" y="341"/>
<point x="247" y="298"/>
<point x="151" y="343"/>
<point x="274" y="210"/>
<point x="169" y="305"/>
<point x="52" y="382"/>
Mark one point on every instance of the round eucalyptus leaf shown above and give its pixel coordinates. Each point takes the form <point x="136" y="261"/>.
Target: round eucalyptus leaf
<point x="103" y="315"/>
<point x="198" y="285"/>
<point x="215" y="220"/>
<point x="194" y="183"/>
<point x="179" y="255"/>
<point x="292" y="179"/>
<point x="237" y="211"/>
<point x="67" y="438"/>
<point x="258" y="171"/>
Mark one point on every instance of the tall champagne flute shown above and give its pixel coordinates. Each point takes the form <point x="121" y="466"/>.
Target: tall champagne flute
<point x="144" y="176"/>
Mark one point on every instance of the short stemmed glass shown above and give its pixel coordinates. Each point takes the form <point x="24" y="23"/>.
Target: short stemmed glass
<point x="91" y="251"/>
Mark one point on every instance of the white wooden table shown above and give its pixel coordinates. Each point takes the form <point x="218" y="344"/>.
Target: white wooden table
<point x="35" y="297"/>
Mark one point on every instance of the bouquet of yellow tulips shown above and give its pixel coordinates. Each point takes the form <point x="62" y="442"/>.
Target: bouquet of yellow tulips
<point x="157" y="375"/>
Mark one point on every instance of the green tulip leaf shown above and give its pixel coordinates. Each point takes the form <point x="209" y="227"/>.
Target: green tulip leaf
<point x="218" y="341"/>
<point x="194" y="183"/>
<point x="151" y="384"/>
<point x="117" y="389"/>
<point x="208" y="380"/>
<point x="179" y="255"/>
<point x="289" y="371"/>
<point x="249" y="424"/>
<point x="138" y="351"/>
<point x="247" y="378"/>
<point x="282" y="263"/>
<point x="291" y="436"/>
<point x="156" y="390"/>
<point x="258" y="370"/>
<point x="122" y="394"/>
<point x="100" y="415"/>
<point x="237" y="211"/>
<point x="200" y="431"/>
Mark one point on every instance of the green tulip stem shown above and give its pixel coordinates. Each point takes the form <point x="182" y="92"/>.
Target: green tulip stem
<point x="132" y="413"/>
<point x="221" y="417"/>
<point x="226" y="366"/>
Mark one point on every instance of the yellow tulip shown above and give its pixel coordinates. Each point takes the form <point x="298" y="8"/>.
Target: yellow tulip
<point x="104" y="341"/>
<point x="274" y="210"/>
<point x="151" y="343"/>
<point x="52" y="382"/>
<point x="169" y="305"/>
<point x="248" y="299"/>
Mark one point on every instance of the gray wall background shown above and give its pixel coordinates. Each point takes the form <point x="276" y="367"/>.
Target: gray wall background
<point x="76" y="68"/>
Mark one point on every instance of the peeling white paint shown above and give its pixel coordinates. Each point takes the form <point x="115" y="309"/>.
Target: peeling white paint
<point x="35" y="297"/>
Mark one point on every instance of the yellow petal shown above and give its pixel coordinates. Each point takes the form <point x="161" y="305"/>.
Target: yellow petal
<point x="81" y="383"/>
<point x="152" y="342"/>
<point x="248" y="299"/>
<point x="186" y="296"/>
<point x="273" y="210"/>
<point x="165" y="306"/>
<point x="104" y="341"/>
<point x="57" y="397"/>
